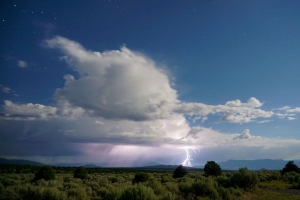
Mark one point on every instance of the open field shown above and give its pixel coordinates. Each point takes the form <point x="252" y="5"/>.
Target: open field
<point x="121" y="183"/>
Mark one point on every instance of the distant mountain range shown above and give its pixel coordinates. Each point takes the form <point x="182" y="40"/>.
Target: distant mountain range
<point x="20" y="162"/>
<point x="116" y="164"/>
<point x="268" y="164"/>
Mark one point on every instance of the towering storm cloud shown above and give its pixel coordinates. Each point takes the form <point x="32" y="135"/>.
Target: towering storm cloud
<point x="119" y="84"/>
<point x="122" y="101"/>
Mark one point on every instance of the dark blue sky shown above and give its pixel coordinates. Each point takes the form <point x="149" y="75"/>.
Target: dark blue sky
<point x="212" y="52"/>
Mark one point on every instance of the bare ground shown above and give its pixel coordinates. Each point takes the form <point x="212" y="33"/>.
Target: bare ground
<point x="287" y="191"/>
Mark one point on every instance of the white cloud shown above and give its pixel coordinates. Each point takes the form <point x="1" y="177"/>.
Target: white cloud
<point x="283" y="108"/>
<point x="287" y="112"/>
<point x="244" y="135"/>
<point x="214" y="145"/>
<point x="232" y="111"/>
<point x="8" y="90"/>
<point x="22" y="64"/>
<point x="127" y="85"/>
<point x="264" y="121"/>
<point x="294" y="110"/>
<point x="252" y="102"/>
<point x="122" y="98"/>
<point x="99" y="122"/>
<point x="284" y="115"/>
<point x="5" y="89"/>
<point x="29" y="110"/>
<point x="119" y="84"/>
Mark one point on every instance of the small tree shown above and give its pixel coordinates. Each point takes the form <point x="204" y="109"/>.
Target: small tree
<point x="244" y="179"/>
<point x="46" y="173"/>
<point x="180" y="171"/>
<point x="81" y="173"/>
<point x="140" y="177"/>
<point x="211" y="168"/>
<point x="290" y="167"/>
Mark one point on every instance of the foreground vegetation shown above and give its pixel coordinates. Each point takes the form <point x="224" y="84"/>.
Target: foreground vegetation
<point x="26" y="182"/>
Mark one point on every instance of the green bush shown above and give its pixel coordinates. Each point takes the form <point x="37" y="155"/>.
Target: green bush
<point x="290" y="167"/>
<point x="225" y="194"/>
<point x="291" y="177"/>
<point x="224" y="181"/>
<point x="211" y="168"/>
<point x="185" y="186"/>
<point x="46" y="173"/>
<point x="269" y="175"/>
<point x="180" y="171"/>
<point x="136" y="192"/>
<point x="172" y="187"/>
<point x="166" y="178"/>
<point x="244" y="179"/>
<point x="140" y="177"/>
<point x="205" y="188"/>
<point x="34" y="192"/>
<point x="168" y="196"/>
<point x="81" y="173"/>
<point x="78" y="194"/>
<point x="102" y="192"/>
<point x="139" y="192"/>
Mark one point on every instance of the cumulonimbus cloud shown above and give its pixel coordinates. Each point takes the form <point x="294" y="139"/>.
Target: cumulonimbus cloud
<point x="119" y="84"/>
<point x="121" y="97"/>
<point x="123" y="84"/>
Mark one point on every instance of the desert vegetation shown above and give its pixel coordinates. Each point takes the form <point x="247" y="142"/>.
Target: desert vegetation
<point x="27" y="182"/>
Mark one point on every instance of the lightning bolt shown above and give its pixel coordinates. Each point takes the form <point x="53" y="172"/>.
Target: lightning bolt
<point x="187" y="161"/>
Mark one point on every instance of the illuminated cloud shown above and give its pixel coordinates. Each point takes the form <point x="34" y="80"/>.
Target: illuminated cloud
<point x="119" y="84"/>
<point x="29" y="110"/>
<point x="121" y="102"/>
<point x="232" y="111"/>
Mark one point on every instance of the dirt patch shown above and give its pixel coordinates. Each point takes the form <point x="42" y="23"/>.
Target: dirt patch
<point x="287" y="191"/>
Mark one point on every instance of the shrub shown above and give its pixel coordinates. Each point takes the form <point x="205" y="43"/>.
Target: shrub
<point x="291" y="177"/>
<point x="139" y="192"/>
<point x="81" y="173"/>
<point x="205" y="188"/>
<point x="46" y="173"/>
<point x="180" y="171"/>
<point x="167" y="196"/>
<point x="172" y="187"/>
<point x="166" y="178"/>
<point x="244" y="179"/>
<point x="290" y="167"/>
<point x="211" y="168"/>
<point x="78" y="193"/>
<point x="136" y="192"/>
<point x="2" y="191"/>
<point x="157" y="187"/>
<point x="225" y="193"/>
<point x="140" y="177"/>
<point x="223" y="181"/>
<point x="34" y="192"/>
<point x="269" y="175"/>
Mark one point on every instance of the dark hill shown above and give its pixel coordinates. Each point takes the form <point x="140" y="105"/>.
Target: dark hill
<point x="19" y="162"/>
<point x="267" y="164"/>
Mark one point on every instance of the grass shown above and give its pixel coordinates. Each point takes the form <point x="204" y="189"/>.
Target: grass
<point x="118" y="184"/>
<point x="265" y="194"/>
<point x="276" y="184"/>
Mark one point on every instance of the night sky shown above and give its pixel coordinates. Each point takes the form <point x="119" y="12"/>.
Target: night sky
<point x="127" y="83"/>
